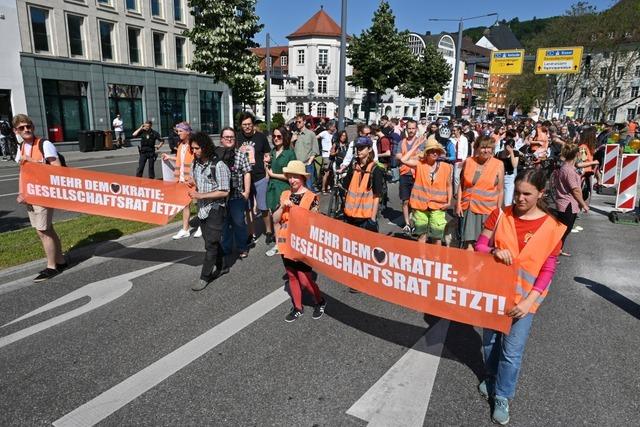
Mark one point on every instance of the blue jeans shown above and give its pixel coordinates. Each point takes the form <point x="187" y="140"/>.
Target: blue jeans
<point x="311" y="170"/>
<point x="235" y="227"/>
<point x="503" y="356"/>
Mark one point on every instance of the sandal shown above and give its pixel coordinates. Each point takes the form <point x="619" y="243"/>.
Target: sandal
<point x="243" y="255"/>
<point x="565" y="254"/>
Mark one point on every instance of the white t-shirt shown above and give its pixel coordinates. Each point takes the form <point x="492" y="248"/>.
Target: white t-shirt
<point x="462" y="147"/>
<point x="48" y="148"/>
<point x="349" y="156"/>
<point x="326" y="140"/>
<point x="117" y="125"/>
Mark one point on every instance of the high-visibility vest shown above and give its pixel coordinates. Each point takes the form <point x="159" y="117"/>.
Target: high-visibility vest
<point x="359" y="200"/>
<point x="481" y="198"/>
<point x="404" y="148"/>
<point x="307" y="200"/>
<point x="428" y="193"/>
<point x="530" y="260"/>
<point x="181" y="172"/>
<point x="36" y="154"/>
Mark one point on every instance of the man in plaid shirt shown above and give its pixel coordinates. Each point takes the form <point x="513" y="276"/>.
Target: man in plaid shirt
<point x="212" y="183"/>
<point x="235" y="227"/>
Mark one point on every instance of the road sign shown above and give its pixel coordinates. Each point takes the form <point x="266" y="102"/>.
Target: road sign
<point x="610" y="167"/>
<point x="558" y="60"/>
<point x="507" y="62"/>
<point x="437" y="97"/>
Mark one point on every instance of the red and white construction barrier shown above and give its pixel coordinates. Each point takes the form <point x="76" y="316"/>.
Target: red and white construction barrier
<point x="628" y="185"/>
<point x="610" y="167"/>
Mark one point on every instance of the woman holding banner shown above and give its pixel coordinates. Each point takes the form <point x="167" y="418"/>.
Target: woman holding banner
<point x="300" y="274"/>
<point x="527" y="235"/>
<point x="480" y="190"/>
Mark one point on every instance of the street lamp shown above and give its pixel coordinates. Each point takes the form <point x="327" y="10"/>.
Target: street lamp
<point x="458" y="47"/>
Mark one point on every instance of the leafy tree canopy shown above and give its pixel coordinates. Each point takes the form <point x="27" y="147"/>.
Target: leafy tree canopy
<point x="429" y="76"/>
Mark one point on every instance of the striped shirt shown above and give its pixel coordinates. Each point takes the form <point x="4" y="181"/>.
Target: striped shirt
<point x="207" y="183"/>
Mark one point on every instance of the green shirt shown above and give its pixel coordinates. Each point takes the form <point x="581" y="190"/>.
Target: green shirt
<point x="306" y="145"/>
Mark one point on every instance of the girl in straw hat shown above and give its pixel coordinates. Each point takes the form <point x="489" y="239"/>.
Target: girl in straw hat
<point x="432" y="191"/>
<point x="300" y="274"/>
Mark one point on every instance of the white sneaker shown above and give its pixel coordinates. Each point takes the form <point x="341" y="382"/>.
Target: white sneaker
<point x="573" y="230"/>
<point x="577" y="227"/>
<point x="181" y="234"/>
<point x="198" y="232"/>
<point x="273" y="251"/>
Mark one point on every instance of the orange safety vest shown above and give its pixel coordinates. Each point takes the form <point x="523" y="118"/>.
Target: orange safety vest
<point x="430" y="193"/>
<point x="359" y="200"/>
<point x="404" y="147"/>
<point x="188" y="161"/>
<point x="307" y="200"/>
<point x="481" y="198"/>
<point x="36" y="154"/>
<point x="529" y="261"/>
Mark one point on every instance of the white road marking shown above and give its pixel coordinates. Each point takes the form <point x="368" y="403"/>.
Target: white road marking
<point x="401" y="396"/>
<point x="100" y="293"/>
<point x="8" y="194"/>
<point x="120" y="395"/>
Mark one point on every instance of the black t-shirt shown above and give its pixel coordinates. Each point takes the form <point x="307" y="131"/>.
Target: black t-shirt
<point x="506" y="161"/>
<point x="148" y="140"/>
<point x="376" y="183"/>
<point x="256" y="146"/>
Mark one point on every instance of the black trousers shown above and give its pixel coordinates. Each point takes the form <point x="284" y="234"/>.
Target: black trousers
<point x="567" y="218"/>
<point x="144" y="157"/>
<point x="212" y="234"/>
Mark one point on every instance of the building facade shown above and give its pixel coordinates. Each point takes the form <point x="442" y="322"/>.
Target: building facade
<point x="84" y="61"/>
<point x="11" y="86"/>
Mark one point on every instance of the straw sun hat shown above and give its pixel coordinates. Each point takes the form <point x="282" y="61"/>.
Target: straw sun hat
<point x="432" y="144"/>
<point x="295" y="167"/>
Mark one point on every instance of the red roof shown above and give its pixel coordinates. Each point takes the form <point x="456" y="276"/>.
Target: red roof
<point x="276" y="53"/>
<point x="320" y="24"/>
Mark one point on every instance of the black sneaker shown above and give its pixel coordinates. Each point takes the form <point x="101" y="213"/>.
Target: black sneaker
<point x="62" y="267"/>
<point x="46" y="274"/>
<point x="353" y="291"/>
<point x="318" y="310"/>
<point x="269" y="238"/>
<point x="251" y="241"/>
<point x="293" y="315"/>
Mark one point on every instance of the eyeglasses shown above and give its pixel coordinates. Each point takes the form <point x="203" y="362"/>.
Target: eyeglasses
<point x="24" y="127"/>
<point x="195" y="147"/>
<point x="276" y="136"/>
<point x="227" y="137"/>
<point x="246" y="125"/>
<point x="366" y="133"/>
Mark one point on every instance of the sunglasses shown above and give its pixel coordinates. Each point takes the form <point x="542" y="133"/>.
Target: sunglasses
<point x="24" y="127"/>
<point x="276" y="136"/>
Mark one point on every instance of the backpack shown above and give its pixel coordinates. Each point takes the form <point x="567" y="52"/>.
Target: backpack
<point x="40" y="142"/>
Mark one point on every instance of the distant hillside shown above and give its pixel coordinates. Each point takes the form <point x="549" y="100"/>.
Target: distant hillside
<point x="523" y="31"/>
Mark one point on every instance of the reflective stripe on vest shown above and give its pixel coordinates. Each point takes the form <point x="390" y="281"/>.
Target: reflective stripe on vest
<point x="188" y="161"/>
<point x="481" y="198"/>
<point x="535" y="253"/>
<point x="404" y="148"/>
<point x="427" y="194"/>
<point x="359" y="200"/>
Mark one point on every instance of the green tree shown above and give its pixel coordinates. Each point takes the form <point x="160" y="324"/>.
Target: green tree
<point x="527" y="90"/>
<point x="380" y="55"/>
<point x="429" y="76"/>
<point x="222" y="34"/>
<point x="277" y="120"/>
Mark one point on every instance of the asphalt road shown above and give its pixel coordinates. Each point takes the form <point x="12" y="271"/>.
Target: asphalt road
<point x="146" y="350"/>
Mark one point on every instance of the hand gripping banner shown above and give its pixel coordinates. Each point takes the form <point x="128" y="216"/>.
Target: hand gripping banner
<point x="455" y="284"/>
<point x="105" y="194"/>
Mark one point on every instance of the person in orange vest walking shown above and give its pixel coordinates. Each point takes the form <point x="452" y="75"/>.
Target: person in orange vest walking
<point x="480" y="191"/>
<point x="300" y="274"/>
<point x="365" y="183"/>
<point x="407" y="173"/>
<point x="432" y="191"/>
<point x="182" y="173"/>
<point x="524" y="234"/>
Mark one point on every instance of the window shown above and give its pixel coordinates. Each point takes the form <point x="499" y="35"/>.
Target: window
<point x="158" y="49"/>
<point x="603" y="72"/>
<point x="178" y="14"/>
<point x="299" y="108"/>
<point x="284" y="60"/>
<point x="323" y="56"/>
<point x="416" y="44"/>
<point x="580" y="113"/>
<point x="600" y="92"/>
<point x="322" y="84"/>
<point x="74" y="25"/>
<point x="280" y="84"/>
<point x="133" y="35"/>
<point x="583" y="92"/>
<point x="637" y="73"/>
<point x="596" y="113"/>
<point x="39" y="21"/>
<point x="66" y="106"/>
<point x="180" y="42"/>
<point x="126" y="100"/>
<point x="619" y="72"/>
<point x="616" y="92"/>
<point x="106" y="3"/>
<point x="281" y="107"/>
<point x="132" y="6"/>
<point x="612" y="114"/>
<point x="634" y="92"/>
<point x="300" y="56"/>
<point x="156" y="9"/>
<point x="300" y="83"/>
<point x="106" y="42"/>
<point x="210" y="111"/>
<point x="322" y="109"/>
<point x="173" y="108"/>
<point x="631" y="113"/>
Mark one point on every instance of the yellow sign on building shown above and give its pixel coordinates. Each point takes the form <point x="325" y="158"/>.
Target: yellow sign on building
<point x="558" y="60"/>
<point x="506" y="62"/>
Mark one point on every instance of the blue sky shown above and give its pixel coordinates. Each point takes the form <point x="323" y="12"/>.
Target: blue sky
<point x="282" y="17"/>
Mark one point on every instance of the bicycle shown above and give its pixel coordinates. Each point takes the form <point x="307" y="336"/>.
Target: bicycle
<point x="337" y="196"/>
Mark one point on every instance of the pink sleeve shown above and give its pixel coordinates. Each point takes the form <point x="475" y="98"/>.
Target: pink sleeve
<point x="546" y="274"/>
<point x="482" y="244"/>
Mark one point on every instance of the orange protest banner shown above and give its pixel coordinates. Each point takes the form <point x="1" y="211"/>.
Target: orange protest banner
<point x="446" y="282"/>
<point x="105" y="194"/>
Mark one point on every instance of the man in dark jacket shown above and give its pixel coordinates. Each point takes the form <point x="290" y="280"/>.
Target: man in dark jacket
<point x="147" y="148"/>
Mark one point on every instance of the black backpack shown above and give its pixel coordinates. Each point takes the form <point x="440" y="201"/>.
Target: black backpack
<point x="61" y="158"/>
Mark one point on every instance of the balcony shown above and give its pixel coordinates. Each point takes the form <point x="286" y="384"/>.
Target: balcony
<point x="323" y="68"/>
<point x="302" y="95"/>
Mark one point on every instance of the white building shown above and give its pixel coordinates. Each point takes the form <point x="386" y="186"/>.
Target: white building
<point x="12" y="98"/>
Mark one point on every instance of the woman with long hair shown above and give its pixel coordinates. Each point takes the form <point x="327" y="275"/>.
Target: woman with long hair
<point x="585" y="161"/>
<point x="524" y="234"/>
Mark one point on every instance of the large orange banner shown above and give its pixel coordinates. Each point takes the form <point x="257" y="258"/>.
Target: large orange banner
<point x="105" y="194"/>
<point x="446" y="282"/>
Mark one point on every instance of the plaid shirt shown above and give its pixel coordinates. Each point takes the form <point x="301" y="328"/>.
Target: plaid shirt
<point x="206" y="183"/>
<point x="240" y="167"/>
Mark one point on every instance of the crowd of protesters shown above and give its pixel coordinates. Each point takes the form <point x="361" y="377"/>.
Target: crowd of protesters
<point x="513" y="189"/>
